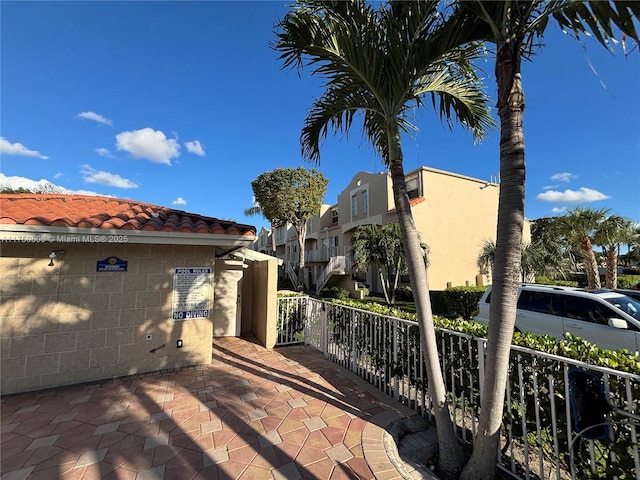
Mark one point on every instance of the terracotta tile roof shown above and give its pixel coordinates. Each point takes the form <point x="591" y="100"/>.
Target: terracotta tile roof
<point x="412" y="201"/>
<point x="82" y="211"/>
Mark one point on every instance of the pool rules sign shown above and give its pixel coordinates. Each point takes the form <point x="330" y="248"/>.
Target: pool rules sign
<point x="191" y="293"/>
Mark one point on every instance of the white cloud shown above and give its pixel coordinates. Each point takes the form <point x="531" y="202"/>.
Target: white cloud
<point x="8" y="148"/>
<point x="103" y="152"/>
<point x="582" y="195"/>
<point x="58" y="175"/>
<point x="40" y="186"/>
<point x="559" y="209"/>
<point x="148" y="144"/>
<point x="179" y="201"/>
<point x="195" y="147"/>
<point x="563" y="177"/>
<point x="96" y="117"/>
<point x="90" y="175"/>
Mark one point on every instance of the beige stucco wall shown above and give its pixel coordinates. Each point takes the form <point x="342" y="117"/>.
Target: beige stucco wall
<point x="264" y="285"/>
<point x="68" y="323"/>
<point x="454" y="219"/>
<point x="228" y="298"/>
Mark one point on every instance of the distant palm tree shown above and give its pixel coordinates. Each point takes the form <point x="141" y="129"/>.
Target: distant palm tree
<point x="378" y="62"/>
<point x="382" y="247"/>
<point x="613" y="232"/>
<point x="580" y="226"/>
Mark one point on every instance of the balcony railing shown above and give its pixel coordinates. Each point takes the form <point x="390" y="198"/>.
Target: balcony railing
<point x="320" y="254"/>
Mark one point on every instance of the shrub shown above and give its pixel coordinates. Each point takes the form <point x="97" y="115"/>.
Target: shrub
<point x="404" y="293"/>
<point x="628" y="281"/>
<point x="339" y="293"/>
<point x="542" y="280"/>
<point x="463" y="301"/>
<point x="285" y="284"/>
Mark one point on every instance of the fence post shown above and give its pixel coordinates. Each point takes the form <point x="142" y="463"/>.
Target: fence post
<point x="481" y="347"/>
<point x="324" y="330"/>
<point x="308" y="319"/>
<point x="354" y="319"/>
<point x="395" y="389"/>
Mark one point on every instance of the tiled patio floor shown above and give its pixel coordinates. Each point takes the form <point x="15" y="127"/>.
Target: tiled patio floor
<point x="252" y="414"/>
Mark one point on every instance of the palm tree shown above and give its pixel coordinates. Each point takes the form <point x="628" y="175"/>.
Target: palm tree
<point x="533" y="262"/>
<point x="513" y="26"/>
<point x="613" y="232"/>
<point x="376" y="63"/>
<point x="579" y="226"/>
<point x="382" y="247"/>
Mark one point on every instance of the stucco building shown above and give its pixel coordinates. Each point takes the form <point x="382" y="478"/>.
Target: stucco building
<point x="95" y="288"/>
<point x="454" y="214"/>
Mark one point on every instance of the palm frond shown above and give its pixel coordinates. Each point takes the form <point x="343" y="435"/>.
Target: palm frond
<point x="599" y="19"/>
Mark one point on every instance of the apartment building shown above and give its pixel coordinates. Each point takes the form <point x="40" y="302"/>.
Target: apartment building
<point x="454" y="214"/>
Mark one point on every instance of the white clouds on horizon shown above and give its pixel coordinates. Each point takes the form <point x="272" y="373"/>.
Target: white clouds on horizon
<point x="148" y="144"/>
<point x="96" y="117"/>
<point x="8" y="148"/>
<point x="15" y="182"/>
<point x="195" y="147"/>
<point x="582" y="195"/>
<point x="179" y="201"/>
<point x="91" y="175"/>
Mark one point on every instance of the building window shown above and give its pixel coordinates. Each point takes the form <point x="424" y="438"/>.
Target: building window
<point x="413" y="186"/>
<point x="365" y="202"/>
<point x="354" y="205"/>
<point x="334" y="215"/>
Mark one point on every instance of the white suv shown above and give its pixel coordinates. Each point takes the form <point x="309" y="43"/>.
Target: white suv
<point x="607" y="319"/>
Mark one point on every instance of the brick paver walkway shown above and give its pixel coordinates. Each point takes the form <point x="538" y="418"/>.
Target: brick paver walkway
<point x="252" y="414"/>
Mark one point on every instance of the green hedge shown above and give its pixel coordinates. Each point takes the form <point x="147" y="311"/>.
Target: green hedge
<point x="574" y="348"/>
<point x="463" y="301"/>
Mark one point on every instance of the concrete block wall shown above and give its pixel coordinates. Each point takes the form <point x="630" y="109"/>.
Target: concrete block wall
<point x="67" y="323"/>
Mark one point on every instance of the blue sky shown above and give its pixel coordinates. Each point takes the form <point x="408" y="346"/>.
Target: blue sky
<point x="182" y="104"/>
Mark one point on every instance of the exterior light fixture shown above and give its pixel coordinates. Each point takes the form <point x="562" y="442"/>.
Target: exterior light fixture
<point x="55" y="254"/>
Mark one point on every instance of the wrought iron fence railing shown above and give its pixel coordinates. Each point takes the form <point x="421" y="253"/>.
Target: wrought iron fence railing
<point x="563" y="419"/>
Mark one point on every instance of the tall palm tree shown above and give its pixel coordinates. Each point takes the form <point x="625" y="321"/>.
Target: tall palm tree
<point x="513" y="26"/>
<point x="613" y="232"/>
<point x="375" y="62"/>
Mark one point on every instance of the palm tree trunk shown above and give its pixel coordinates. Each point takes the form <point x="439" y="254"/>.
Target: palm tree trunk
<point x="301" y="231"/>
<point x="451" y="458"/>
<point x="384" y="283"/>
<point x="611" y="276"/>
<point x="482" y="463"/>
<point x="590" y="263"/>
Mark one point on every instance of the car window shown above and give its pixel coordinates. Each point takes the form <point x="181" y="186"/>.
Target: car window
<point x="587" y="310"/>
<point x="626" y="304"/>
<point x="541" y="302"/>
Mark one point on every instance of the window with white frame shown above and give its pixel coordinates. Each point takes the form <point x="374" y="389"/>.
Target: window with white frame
<point x="354" y="205"/>
<point x="365" y="202"/>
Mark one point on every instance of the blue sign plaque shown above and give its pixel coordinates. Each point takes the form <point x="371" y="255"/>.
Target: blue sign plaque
<point x="111" y="264"/>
